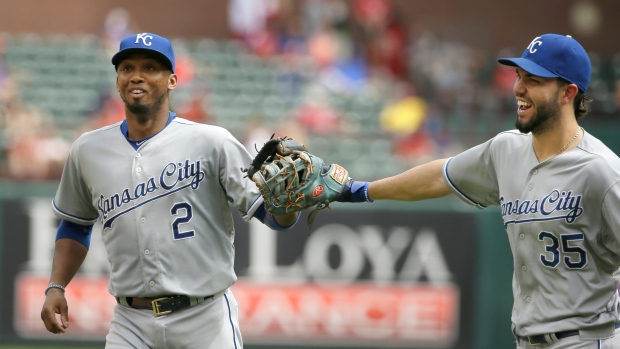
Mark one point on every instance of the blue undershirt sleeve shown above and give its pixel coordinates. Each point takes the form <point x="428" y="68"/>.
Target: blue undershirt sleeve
<point x="77" y="232"/>
<point x="270" y="220"/>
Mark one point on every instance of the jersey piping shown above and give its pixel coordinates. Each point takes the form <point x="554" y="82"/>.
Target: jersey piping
<point x="456" y="190"/>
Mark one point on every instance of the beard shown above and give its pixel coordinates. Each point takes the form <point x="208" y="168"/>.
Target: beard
<point x="545" y="117"/>
<point x="137" y="108"/>
<point x="144" y="110"/>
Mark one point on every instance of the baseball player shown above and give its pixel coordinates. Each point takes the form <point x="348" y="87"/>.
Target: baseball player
<point x="162" y="187"/>
<point x="559" y="192"/>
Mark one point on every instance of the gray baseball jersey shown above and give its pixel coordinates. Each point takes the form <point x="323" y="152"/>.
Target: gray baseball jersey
<point x="562" y="220"/>
<point x="165" y="207"/>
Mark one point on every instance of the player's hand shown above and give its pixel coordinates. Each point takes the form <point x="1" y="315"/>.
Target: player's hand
<point x="55" y="303"/>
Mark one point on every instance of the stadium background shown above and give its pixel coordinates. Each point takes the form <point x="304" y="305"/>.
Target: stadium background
<point x="377" y="86"/>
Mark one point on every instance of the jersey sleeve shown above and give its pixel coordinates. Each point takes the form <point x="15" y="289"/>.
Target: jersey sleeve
<point x="611" y="219"/>
<point x="73" y="200"/>
<point x="472" y="176"/>
<point x="241" y="192"/>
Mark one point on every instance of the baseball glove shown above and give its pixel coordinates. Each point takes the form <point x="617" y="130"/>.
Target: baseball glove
<point x="290" y="179"/>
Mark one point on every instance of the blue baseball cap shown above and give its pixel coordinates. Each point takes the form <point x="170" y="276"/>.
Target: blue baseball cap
<point x="555" y="56"/>
<point x="149" y="42"/>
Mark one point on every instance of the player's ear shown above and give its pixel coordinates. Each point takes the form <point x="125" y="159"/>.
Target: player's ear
<point x="569" y="93"/>
<point x="172" y="81"/>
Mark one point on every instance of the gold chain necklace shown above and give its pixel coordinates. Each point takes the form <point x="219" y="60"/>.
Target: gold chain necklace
<point x="571" y="141"/>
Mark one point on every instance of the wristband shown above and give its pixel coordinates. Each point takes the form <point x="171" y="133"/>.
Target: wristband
<point x="355" y="191"/>
<point x="359" y="192"/>
<point x="50" y="286"/>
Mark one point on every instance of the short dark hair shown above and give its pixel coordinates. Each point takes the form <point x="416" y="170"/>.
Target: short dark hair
<point x="579" y="103"/>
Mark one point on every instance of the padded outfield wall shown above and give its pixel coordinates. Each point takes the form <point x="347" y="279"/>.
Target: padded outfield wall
<point x="383" y="275"/>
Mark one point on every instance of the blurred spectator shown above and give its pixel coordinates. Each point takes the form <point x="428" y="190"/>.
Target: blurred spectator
<point x="346" y="78"/>
<point x="406" y="114"/>
<point x="185" y="69"/>
<point x="403" y="120"/>
<point x="34" y="150"/>
<point x="503" y="83"/>
<point x="318" y="14"/>
<point x="448" y="71"/>
<point x="317" y="116"/>
<point x="291" y="128"/>
<point x="8" y="88"/>
<point x="248" y="21"/>
<point x="116" y="26"/>
<point x="292" y="70"/>
<point x="256" y="134"/>
<point x="8" y="92"/>
<point x="291" y="38"/>
<point x="110" y="111"/>
<point x="325" y="47"/>
<point x="340" y="67"/>
<point x="194" y="108"/>
<point x="382" y="35"/>
<point x="504" y="76"/>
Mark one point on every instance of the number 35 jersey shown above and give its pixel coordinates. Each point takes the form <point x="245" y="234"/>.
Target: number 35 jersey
<point x="165" y="208"/>
<point x="562" y="220"/>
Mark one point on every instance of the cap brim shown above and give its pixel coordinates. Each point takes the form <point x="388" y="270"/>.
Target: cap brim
<point x="121" y="55"/>
<point x="528" y="66"/>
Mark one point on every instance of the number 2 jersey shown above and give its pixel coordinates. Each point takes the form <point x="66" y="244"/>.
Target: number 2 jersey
<point x="165" y="208"/>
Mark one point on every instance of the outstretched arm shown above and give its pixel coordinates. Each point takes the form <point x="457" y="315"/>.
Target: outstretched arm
<point x="419" y="183"/>
<point x="69" y="255"/>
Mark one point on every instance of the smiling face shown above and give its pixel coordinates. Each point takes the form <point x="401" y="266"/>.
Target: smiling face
<point x="538" y="101"/>
<point x="143" y="83"/>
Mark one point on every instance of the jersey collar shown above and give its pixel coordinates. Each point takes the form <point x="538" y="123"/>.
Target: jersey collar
<point x="138" y="143"/>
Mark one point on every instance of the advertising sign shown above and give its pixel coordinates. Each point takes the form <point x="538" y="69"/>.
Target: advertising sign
<point x="363" y="278"/>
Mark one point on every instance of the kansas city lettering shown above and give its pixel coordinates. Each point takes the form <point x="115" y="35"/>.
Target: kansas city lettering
<point x="172" y="176"/>
<point x="561" y="204"/>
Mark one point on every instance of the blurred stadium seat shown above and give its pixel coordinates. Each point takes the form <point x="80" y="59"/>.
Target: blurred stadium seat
<point x="69" y="75"/>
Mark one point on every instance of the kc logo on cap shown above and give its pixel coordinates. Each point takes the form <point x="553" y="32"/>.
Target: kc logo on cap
<point x="146" y="39"/>
<point x="146" y="42"/>
<point x="533" y="44"/>
<point x="555" y="56"/>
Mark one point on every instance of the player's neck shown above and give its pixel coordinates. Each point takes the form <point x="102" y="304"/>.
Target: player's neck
<point x="556" y="141"/>
<point x="143" y="126"/>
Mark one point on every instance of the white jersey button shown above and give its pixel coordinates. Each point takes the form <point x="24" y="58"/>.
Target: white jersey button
<point x="527" y="299"/>
<point x="523" y="267"/>
<point x="152" y="283"/>
<point x="142" y="219"/>
<point x="522" y="236"/>
<point x="139" y="170"/>
<point x="522" y="331"/>
<point x="147" y="251"/>
<point x="535" y="171"/>
<point x="529" y="187"/>
<point x="138" y="155"/>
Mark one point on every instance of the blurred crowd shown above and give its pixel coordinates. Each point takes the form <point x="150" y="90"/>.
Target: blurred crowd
<point x="347" y="75"/>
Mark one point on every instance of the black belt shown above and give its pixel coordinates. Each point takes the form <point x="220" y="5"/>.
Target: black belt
<point x="541" y="338"/>
<point x="163" y="305"/>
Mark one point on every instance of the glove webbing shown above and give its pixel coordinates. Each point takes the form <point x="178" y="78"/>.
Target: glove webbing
<point x="290" y="201"/>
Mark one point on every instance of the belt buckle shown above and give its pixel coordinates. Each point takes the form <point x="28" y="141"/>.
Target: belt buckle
<point x="155" y="304"/>
<point x="529" y="339"/>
